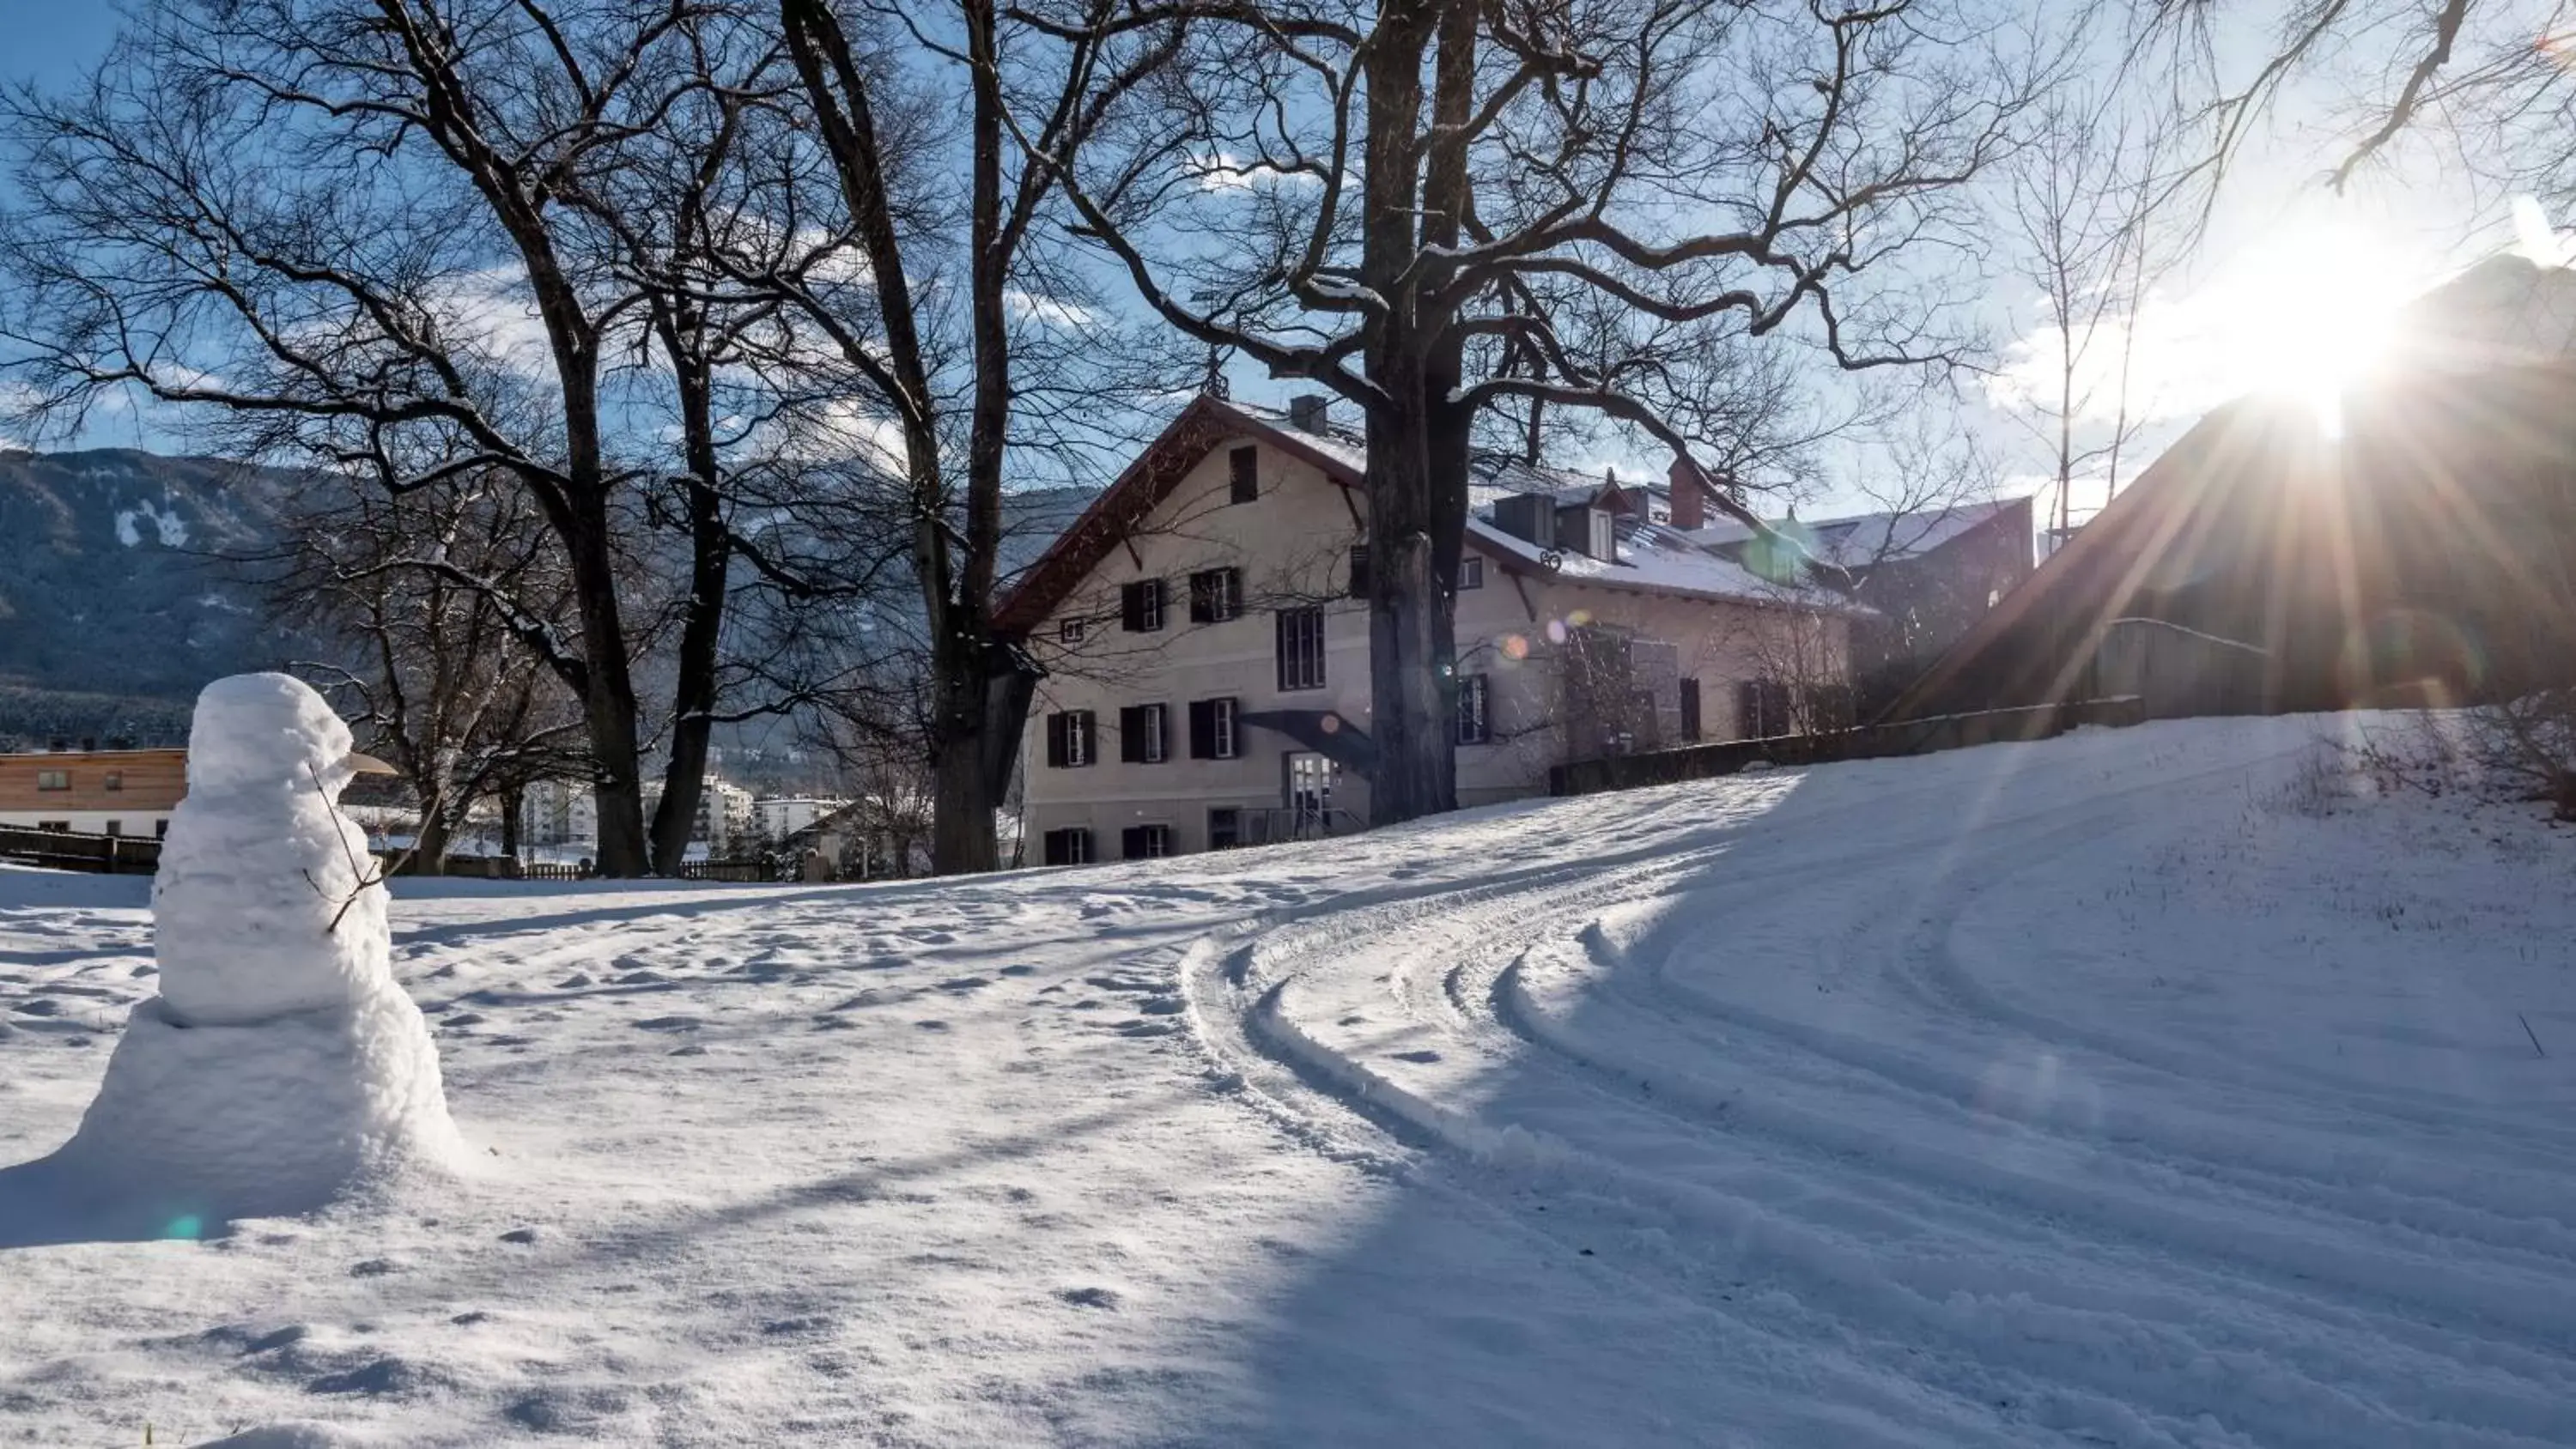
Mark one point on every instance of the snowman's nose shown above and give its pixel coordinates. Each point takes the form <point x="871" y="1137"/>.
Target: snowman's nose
<point x="366" y="764"/>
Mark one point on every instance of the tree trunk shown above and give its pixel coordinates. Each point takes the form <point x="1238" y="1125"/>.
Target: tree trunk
<point x="513" y="801"/>
<point x="608" y="693"/>
<point x="711" y="554"/>
<point x="963" y="800"/>
<point x="1408" y="658"/>
<point x="429" y="847"/>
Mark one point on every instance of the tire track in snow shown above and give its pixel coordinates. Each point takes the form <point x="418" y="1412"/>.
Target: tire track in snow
<point x="2307" y="1402"/>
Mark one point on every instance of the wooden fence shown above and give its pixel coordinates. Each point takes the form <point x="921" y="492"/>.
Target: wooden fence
<point x="1869" y="742"/>
<point x="95" y="854"/>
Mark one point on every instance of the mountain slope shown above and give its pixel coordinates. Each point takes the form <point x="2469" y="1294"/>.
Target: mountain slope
<point x="115" y="585"/>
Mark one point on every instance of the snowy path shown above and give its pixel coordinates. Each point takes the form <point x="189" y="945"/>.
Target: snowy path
<point x="2131" y="1089"/>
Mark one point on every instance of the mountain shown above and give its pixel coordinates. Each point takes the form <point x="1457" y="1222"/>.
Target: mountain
<point x="122" y="592"/>
<point x="118" y="596"/>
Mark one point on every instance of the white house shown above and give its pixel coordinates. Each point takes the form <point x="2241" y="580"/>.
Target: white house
<point x="1205" y="657"/>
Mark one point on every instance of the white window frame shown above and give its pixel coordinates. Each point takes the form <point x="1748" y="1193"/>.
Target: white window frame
<point x="1480" y="686"/>
<point x="1070" y="631"/>
<point x="52" y="780"/>
<point x="1221" y="730"/>
<point x="1158" y="733"/>
<point x="1471" y="573"/>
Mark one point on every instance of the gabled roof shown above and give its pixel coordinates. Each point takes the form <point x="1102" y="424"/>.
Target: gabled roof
<point x="1653" y="558"/>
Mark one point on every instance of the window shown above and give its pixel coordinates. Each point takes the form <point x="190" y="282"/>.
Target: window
<point x="58" y="827"/>
<point x="1069" y="739"/>
<point x="1069" y="632"/>
<point x="1141" y="606"/>
<point x="1471" y="573"/>
<point x="1145" y="842"/>
<point x="1068" y="847"/>
<point x="115" y="780"/>
<point x="1212" y="729"/>
<point x="1244" y="475"/>
<point x="1141" y="735"/>
<point x="1761" y="709"/>
<point x="1301" y="649"/>
<point x="1216" y="595"/>
<point x="1360" y="581"/>
<point x="1474" y="723"/>
<point x="1690" y="710"/>
<point x="116" y="827"/>
<point x="53" y="779"/>
<point x="1225" y="828"/>
<point x="1605" y="536"/>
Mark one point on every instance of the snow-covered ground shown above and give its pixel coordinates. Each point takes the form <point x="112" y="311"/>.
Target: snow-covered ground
<point x="2138" y="1088"/>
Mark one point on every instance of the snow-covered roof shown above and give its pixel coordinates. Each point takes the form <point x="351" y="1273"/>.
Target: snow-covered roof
<point x="1653" y="557"/>
<point x="1868" y="538"/>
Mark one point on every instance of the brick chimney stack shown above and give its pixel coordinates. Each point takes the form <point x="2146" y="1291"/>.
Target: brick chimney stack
<point x="1690" y="501"/>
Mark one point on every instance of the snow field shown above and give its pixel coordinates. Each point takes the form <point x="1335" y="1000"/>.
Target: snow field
<point x="2145" y="1087"/>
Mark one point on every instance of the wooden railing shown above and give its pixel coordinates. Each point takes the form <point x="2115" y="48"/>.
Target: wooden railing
<point x="1869" y="742"/>
<point x="66" y="850"/>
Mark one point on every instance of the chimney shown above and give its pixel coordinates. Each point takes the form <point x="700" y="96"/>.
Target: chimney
<point x="1306" y="412"/>
<point x="1690" y="505"/>
<point x="1529" y="517"/>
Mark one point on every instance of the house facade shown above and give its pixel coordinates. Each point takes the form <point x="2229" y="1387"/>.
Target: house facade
<point x="1203" y="636"/>
<point x="1926" y="576"/>
<point x="93" y="792"/>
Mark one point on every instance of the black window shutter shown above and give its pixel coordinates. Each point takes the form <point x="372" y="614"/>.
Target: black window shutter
<point x="1690" y="709"/>
<point x="1359" y="571"/>
<point x="1131" y="842"/>
<point x="1246" y="479"/>
<point x="1131" y="735"/>
<point x="1283" y="645"/>
<point x="1057" y="724"/>
<point x="1131" y="607"/>
<point x="1202" y="729"/>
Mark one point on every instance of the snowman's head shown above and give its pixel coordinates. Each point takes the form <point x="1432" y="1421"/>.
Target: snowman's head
<point x="269" y="732"/>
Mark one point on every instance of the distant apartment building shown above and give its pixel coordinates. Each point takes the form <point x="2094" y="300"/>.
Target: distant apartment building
<point x="93" y="791"/>
<point x="564" y="814"/>
<point x="1204" y="635"/>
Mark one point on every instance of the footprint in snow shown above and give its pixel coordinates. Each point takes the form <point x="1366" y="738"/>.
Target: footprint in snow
<point x="1021" y="970"/>
<point x="963" y="984"/>
<point x="1420" y="1056"/>
<point x="672" y="1023"/>
<point x="932" y="1024"/>
<point x="1088" y="1297"/>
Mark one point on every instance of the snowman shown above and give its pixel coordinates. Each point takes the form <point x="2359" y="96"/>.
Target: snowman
<point x="282" y="1067"/>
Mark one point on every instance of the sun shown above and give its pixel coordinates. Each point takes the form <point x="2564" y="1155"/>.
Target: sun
<point x="2304" y="314"/>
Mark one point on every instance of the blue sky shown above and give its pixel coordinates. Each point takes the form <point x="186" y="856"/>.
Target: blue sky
<point x="2403" y="228"/>
<point x="51" y="40"/>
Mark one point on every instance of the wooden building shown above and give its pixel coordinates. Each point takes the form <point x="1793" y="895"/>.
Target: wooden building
<point x="2415" y="544"/>
<point x="93" y="792"/>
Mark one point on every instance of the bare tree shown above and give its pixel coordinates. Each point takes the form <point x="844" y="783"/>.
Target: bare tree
<point x="427" y="670"/>
<point x="918" y="364"/>
<point x="387" y="238"/>
<point x="1434" y="206"/>
<point x="2087" y="204"/>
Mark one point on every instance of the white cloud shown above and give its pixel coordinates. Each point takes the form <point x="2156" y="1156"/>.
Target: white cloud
<point x="1223" y="171"/>
<point x="1052" y="311"/>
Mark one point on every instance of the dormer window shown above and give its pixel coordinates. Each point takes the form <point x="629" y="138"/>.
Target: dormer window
<point x="1605" y="537"/>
